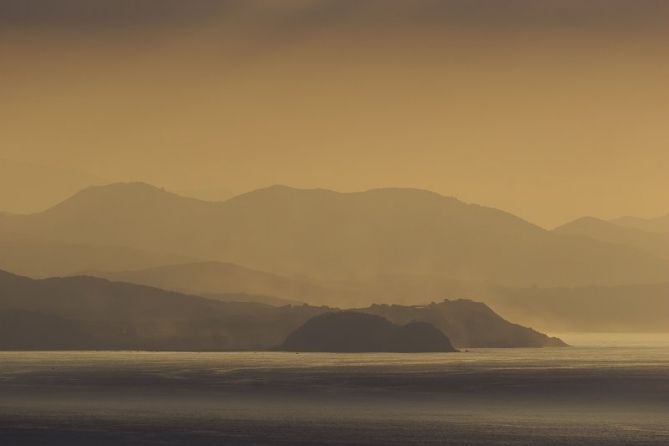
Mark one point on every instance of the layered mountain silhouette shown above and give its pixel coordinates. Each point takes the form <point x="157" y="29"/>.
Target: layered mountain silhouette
<point x="116" y="315"/>
<point x="220" y="279"/>
<point x="43" y="258"/>
<point x="224" y="281"/>
<point x="354" y="332"/>
<point x="468" y="323"/>
<point x="651" y="242"/>
<point x="340" y="236"/>
<point x="253" y="298"/>
<point x="92" y="313"/>
<point x="660" y="224"/>
<point x="560" y="309"/>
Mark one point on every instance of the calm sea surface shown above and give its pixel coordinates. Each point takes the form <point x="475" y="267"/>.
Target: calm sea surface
<point x="604" y="390"/>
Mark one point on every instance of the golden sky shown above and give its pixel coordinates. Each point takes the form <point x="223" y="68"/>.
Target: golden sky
<point x="550" y="110"/>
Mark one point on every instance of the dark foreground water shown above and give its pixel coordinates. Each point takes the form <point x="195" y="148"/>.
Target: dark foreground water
<point x="604" y="391"/>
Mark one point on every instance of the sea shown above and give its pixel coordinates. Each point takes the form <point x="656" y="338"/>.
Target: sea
<point x="605" y="389"/>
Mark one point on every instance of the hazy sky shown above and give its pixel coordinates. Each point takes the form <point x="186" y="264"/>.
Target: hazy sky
<point x="548" y="109"/>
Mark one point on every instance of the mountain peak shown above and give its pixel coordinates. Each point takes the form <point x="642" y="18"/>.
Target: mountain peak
<point x="279" y="191"/>
<point x="125" y="195"/>
<point x="583" y="222"/>
<point x="122" y="187"/>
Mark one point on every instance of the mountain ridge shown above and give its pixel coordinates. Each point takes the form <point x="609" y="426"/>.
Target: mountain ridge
<point x="607" y="231"/>
<point x="219" y="278"/>
<point x="658" y="224"/>
<point x="340" y="236"/>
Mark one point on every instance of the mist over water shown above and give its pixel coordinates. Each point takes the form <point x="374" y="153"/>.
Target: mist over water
<point x="603" y="390"/>
<point x="629" y="342"/>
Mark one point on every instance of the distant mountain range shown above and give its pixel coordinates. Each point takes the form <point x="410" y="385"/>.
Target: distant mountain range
<point x="340" y="237"/>
<point x="659" y="225"/>
<point x="37" y="257"/>
<point x="92" y="313"/>
<point x="321" y="247"/>
<point x="219" y="279"/>
<point x="222" y="280"/>
<point x="655" y="243"/>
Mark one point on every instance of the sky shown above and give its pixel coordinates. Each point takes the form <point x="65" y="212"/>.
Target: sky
<point x="547" y="109"/>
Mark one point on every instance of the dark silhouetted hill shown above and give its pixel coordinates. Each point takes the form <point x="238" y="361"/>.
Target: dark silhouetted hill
<point x="354" y="332"/>
<point x="30" y="330"/>
<point x="93" y="313"/>
<point x="115" y="315"/>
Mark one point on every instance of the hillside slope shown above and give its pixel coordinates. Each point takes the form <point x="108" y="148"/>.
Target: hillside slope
<point x="36" y="257"/>
<point x="219" y="278"/>
<point x="467" y="324"/>
<point x="115" y="315"/>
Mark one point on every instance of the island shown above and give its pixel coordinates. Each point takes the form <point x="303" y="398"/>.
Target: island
<point x="355" y="332"/>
